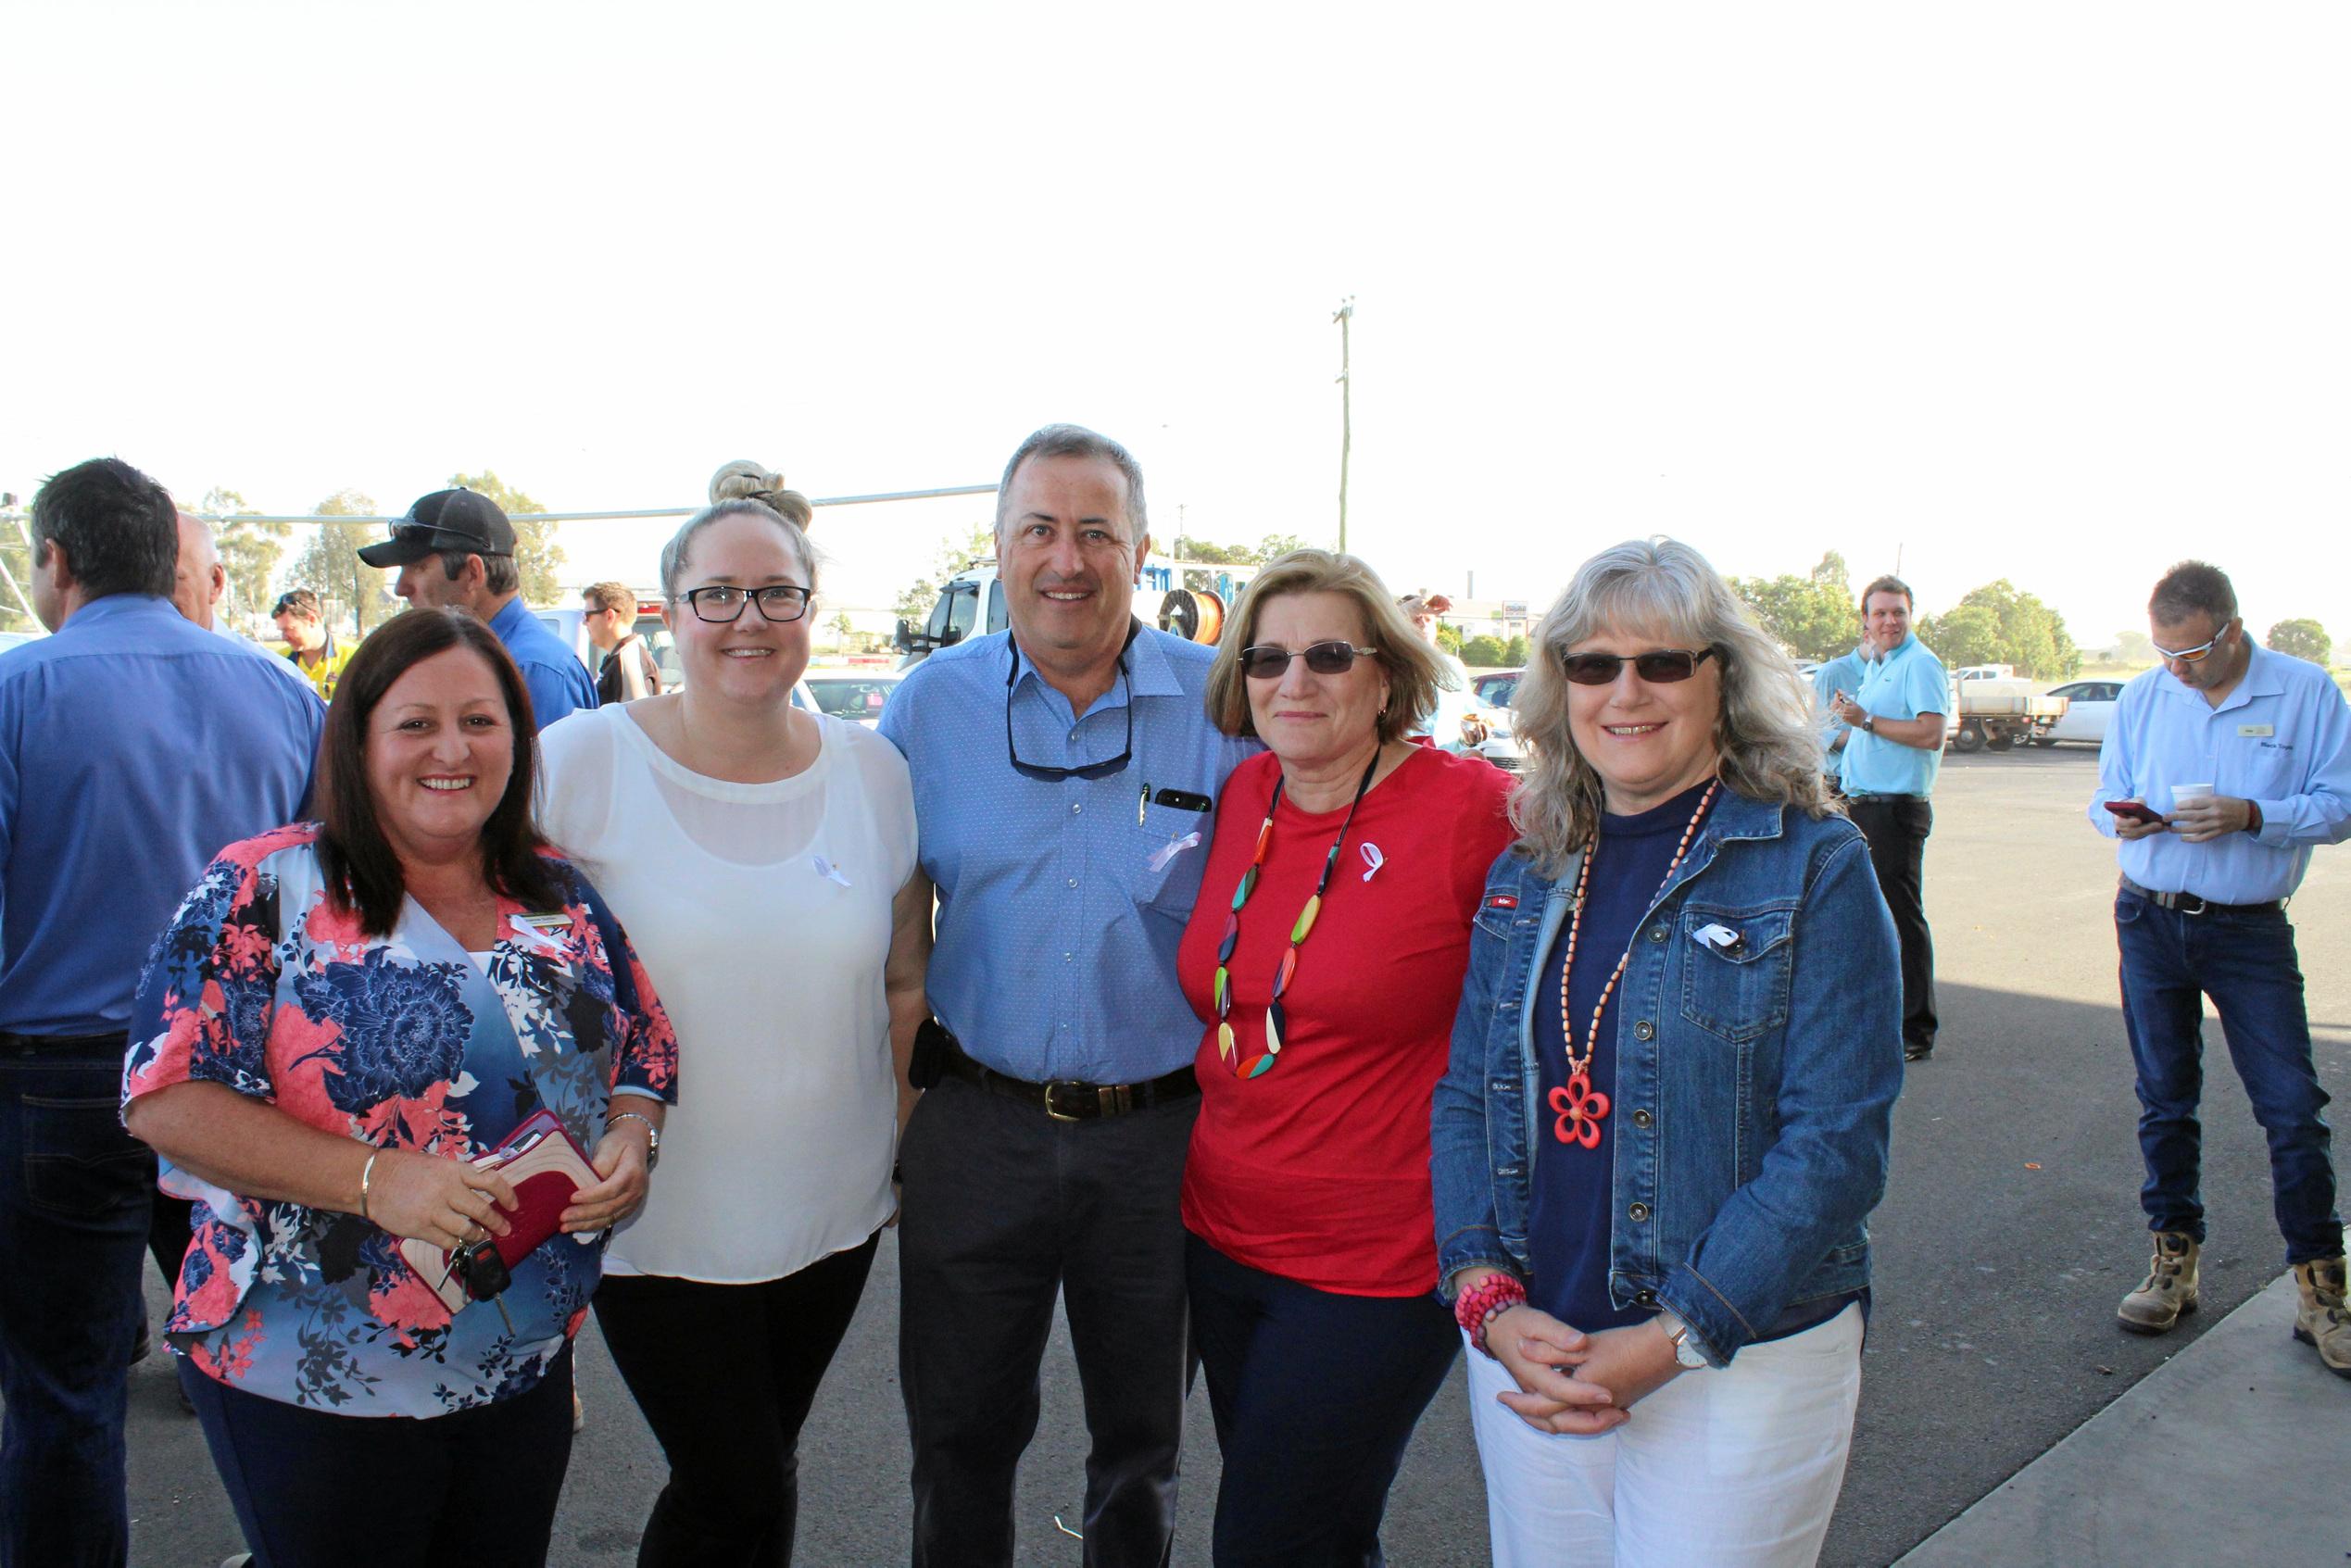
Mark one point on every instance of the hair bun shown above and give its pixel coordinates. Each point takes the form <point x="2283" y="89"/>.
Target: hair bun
<point x="744" y="480"/>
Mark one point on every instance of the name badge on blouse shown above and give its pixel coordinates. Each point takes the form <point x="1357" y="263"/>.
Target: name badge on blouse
<point x="2262" y="730"/>
<point x="535" y="929"/>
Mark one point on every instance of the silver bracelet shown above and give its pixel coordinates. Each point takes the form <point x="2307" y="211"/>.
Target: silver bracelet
<point x="652" y="1131"/>
<point x="365" y="1172"/>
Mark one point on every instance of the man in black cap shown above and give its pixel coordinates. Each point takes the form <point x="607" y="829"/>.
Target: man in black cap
<point x="473" y="544"/>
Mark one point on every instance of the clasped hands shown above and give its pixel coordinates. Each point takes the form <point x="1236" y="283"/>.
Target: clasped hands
<point x="1573" y="1381"/>
<point x="450" y="1202"/>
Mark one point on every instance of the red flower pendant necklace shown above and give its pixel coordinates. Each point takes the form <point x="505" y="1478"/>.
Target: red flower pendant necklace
<point x="1580" y="1107"/>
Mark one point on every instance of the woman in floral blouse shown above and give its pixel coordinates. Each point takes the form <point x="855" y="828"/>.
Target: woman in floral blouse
<point x="341" y="1018"/>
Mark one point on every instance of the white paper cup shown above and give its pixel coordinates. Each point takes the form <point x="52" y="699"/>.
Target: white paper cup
<point x="2182" y="794"/>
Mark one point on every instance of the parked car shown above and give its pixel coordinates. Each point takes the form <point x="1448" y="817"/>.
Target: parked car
<point x="1466" y="724"/>
<point x="2089" y="705"/>
<point x="1497" y="686"/>
<point x="854" y="695"/>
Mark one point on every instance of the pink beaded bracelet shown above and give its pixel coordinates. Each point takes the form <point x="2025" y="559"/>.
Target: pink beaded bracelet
<point x="1483" y="1302"/>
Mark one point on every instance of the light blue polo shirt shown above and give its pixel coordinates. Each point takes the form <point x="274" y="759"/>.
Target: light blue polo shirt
<point x="2280" y="739"/>
<point x="1905" y="684"/>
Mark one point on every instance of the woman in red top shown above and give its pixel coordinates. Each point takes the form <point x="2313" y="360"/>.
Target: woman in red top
<point x="1326" y="958"/>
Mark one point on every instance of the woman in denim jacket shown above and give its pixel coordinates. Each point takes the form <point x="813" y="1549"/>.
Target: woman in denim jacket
<point x="1665" y="1122"/>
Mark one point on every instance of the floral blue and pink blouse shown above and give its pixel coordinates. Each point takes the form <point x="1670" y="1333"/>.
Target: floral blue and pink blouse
<point x="405" y="1041"/>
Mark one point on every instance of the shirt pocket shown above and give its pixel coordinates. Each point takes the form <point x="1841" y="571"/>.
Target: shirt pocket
<point x="1166" y="855"/>
<point x="1736" y="987"/>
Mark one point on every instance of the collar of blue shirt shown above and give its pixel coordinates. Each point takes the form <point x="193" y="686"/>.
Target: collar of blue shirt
<point x="1148" y="672"/>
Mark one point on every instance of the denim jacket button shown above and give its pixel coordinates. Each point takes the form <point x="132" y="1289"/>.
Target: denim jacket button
<point x="1638" y="1212"/>
<point x="1656" y="933"/>
<point x="1644" y="1299"/>
<point x="1642" y="1119"/>
<point x="1643" y="1030"/>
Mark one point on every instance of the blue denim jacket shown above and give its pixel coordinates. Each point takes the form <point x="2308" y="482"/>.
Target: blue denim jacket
<point x="1755" y="1081"/>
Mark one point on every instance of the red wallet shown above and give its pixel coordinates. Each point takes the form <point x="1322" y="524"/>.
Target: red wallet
<point x="545" y="1166"/>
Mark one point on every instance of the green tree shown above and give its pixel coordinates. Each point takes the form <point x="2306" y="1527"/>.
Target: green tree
<point x="915" y="603"/>
<point x="2000" y="623"/>
<point x="329" y="565"/>
<point x="1448" y="638"/>
<point x="1813" y="616"/>
<point x="1514" y="651"/>
<point x="2303" y="638"/>
<point x="2134" y="647"/>
<point x="17" y="556"/>
<point x="1271" y="547"/>
<point x="537" y="555"/>
<point x="1482" y="652"/>
<point x="249" y="548"/>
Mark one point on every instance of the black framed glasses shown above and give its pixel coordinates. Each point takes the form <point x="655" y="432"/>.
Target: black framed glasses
<point x="1268" y="661"/>
<point x="722" y="604"/>
<point x="1041" y="771"/>
<point x="1659" y="667"/>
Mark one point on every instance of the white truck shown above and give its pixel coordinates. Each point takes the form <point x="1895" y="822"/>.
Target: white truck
<point x="1992" y="707"/>
<point x="1189" y="598"/>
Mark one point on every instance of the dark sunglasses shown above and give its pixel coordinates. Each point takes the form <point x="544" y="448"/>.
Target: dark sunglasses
<point x="1266" y="660"/>
<point x="1659" y="667"/>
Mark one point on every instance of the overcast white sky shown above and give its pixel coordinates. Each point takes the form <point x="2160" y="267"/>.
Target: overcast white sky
<point x="2051" y="292"/>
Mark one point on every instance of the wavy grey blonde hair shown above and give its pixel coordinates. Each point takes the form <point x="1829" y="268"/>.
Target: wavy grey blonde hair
<point x="1765" y="734"/>
<point x="1414" y="671"/>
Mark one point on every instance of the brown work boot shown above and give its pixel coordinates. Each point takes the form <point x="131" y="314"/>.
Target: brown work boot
<point x="2169" y="1290"/>
<point x="2322" y="1321"/>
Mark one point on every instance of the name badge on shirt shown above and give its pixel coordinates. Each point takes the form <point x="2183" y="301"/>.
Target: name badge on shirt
<point x="2257" y="728"/>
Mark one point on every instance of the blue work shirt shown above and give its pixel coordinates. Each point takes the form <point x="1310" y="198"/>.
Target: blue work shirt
<point x="2282" y="739"/>
<point x="559" y="681"/>
<point x="1902" y="685"/>
<point x="1061" y="902"/>
<point x="134" y="747"/>
<point x="1840" y="674"/>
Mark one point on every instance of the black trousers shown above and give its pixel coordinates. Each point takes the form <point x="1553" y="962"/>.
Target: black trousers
<point x="313" y="1489"/>
<point x="1897" y="833"/>
<point x="1003" y="1207"/>
<point x="1315" y="1396"/>
<point x="725" y="1374"/>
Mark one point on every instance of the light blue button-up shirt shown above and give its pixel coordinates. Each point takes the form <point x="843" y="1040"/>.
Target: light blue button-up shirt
<point x="1061" y="903"/>
<point x="1902" y="685"/>
<point x="557" y="681"/>
<point x="134" y="747"/>
<point x="2280" y="739"/>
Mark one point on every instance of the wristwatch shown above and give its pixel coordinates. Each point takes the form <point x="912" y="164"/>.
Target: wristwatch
<point x="1870" y="723"/>
<point x="1679" y="1332"/>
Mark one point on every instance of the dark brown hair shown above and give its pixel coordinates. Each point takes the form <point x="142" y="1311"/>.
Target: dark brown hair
<point x="361" y="871"/>
<point x="1887" y="585"/>
<point x="2191" y="586"/>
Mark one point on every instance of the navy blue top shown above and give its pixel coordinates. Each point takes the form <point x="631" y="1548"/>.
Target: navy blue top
<point x="1572" y="1206"/>
<point x="133" y="745"/>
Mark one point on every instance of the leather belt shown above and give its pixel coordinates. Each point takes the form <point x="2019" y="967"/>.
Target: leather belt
<point x="64" y="1045"/>
<point x="1873" y="795"/>
<point x="1067" y="1099"/>
<point x="2196" y="904"/>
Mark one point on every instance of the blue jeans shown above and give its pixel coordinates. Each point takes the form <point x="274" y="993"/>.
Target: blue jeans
<point x="74" y="1193"/>
<point x="2245" y="963"/>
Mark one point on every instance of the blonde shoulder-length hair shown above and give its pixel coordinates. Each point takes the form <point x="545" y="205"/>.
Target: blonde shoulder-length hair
<point x="1765" y="734"/>
<point x="1414" y="673"/>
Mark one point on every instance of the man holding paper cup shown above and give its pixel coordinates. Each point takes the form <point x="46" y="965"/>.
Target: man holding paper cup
<point x="2219" y="772"/>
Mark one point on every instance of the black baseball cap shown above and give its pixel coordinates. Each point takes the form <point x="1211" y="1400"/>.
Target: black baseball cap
<point x="446" y="519"/>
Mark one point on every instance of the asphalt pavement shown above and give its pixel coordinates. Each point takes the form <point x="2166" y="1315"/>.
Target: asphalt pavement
<point x="2010" y="1230"/>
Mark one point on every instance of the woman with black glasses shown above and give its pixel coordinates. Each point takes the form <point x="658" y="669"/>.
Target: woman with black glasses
<point x="1323" y="958"/>
<point x="762" y="858"/>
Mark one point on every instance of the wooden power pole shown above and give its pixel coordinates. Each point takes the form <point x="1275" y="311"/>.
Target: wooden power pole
<point x="1346" y="412"/>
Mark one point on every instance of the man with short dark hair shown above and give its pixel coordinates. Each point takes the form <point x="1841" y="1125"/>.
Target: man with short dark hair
<point x="1064" y="777"/>
<point x="1893" y="753"/>
<point x="105" y="827"/>
<point x="2230" y="762"/>
<point x="607" y="613"/>
<point x="456" y="548"/>
<point x="309" y="641"/>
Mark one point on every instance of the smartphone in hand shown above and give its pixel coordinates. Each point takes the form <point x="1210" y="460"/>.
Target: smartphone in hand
<point x="2138" y="812"/>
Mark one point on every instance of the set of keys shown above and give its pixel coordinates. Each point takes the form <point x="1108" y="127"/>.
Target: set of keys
<point x="477" y="1266"/>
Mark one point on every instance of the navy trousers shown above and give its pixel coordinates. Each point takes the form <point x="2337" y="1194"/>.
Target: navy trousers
<point x="1315" y="1395"/>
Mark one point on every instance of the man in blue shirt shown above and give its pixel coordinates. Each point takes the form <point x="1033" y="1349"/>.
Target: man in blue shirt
<point x="2240" y="761"/>
<point x="455" y="548"/>
<point x="1893" y="749"/>
<point x="134" y="747"/>
<point x="1064" y="773"/>
<point x="1832" y="680"/>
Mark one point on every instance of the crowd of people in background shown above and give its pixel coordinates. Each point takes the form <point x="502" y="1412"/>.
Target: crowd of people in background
<point x="413" y="1000"/>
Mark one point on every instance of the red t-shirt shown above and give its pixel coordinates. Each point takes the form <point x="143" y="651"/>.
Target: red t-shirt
<point x="1317" y="1170"/>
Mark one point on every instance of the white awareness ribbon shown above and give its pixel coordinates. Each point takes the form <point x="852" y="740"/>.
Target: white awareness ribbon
<point x="1373" y="859"/>
<point x="830" y="871"/>
<point x="1173" y="848"/>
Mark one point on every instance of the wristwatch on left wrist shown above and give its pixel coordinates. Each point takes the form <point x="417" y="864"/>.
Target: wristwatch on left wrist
<point x="1870" y="723"/>
<point x="1679" y="1333"/>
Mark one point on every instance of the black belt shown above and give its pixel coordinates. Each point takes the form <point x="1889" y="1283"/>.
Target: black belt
<point x="1873" y="795"/>
<point x="1066" y="1099"/>
<point x="2196" y="904"/>
<point x="14" y="1044"/>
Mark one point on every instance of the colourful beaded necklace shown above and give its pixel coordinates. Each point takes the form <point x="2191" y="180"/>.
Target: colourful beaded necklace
<point x="1257" y="1066"/>
<point x="1580" y="1107"/>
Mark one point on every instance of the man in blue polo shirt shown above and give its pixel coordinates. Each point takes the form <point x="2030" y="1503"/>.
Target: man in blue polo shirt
<point x="1064" y="773"/>
<point x="134" y="747"/>
<point x="455" y="548"/>
<point x="1893" y="749"/>
<point x="1838" y="676"/>
<point x="2242" y="756"/>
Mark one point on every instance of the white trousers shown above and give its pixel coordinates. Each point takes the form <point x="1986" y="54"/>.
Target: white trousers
<point x="1735" y="1467"/>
